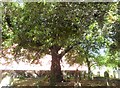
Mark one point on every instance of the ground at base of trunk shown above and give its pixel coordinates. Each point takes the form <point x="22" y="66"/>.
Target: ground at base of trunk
<point x="84" y="83"/>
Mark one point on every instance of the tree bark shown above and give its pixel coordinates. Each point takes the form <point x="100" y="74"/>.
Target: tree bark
<point x="56" y="73"/>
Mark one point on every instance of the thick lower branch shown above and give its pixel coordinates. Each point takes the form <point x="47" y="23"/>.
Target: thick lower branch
<point x="69" y="48"/>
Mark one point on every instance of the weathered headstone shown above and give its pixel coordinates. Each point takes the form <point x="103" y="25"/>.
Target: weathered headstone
<point x="98" y="73"/>
<point x="114" y="74"/>
<point x="0" y="75"/>
<point x="106" y="75"/>
<point x="76" y="75"/>
<point x="91" y="75"/>
<point x="7" y="79"/>
<point x="119" y="73"/>
<point x="84" y="75"/>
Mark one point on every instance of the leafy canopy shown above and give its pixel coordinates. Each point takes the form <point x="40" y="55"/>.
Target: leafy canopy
<point x="39" y="26"/>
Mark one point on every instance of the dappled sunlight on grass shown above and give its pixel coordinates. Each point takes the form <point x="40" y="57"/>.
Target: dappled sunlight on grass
<point x="29" y="82"/>
<point x="42" y="82"/>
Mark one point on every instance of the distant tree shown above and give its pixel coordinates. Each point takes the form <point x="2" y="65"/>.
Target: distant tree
<point x="107" y="60"/>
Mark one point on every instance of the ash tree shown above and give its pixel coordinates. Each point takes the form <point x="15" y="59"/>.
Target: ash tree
<point x="52" y="28"/>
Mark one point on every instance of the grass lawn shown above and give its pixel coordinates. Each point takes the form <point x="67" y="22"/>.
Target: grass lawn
<point x="30" y="82"/>
<point x="44" y="82"/>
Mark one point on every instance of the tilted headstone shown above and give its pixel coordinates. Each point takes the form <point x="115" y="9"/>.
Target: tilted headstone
<point x="106" y="74"/>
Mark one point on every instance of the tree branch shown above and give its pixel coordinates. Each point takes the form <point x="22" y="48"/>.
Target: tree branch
<point x="69" y="48"/>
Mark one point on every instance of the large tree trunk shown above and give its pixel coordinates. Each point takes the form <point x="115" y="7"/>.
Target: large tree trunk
<point x="56" y="73"/>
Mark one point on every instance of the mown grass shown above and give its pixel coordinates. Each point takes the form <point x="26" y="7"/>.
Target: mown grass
<point x="43" y="81"/>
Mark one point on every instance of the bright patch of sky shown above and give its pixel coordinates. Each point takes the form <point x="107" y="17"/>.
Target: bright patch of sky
<point x="102" y="51"/>
<point x="19" y="1"/>
<point x="115" y="0"/>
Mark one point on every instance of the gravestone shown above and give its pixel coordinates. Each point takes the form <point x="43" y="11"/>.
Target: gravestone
<point x="0" y="75"/>
<point x="118" y="73"/>
<point x="76" y="75"/>
<point x="99" y="78"/>
<point x="91" y="75"/>
<point x="7" y="78"/>
<point x="106" y="74"/>
<point x="84" y="75"/>
<point x="114" y="74"/>
<point x="98" y="73"/>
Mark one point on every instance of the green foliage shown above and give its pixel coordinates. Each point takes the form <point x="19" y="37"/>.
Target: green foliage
<point x="51" y="21"/>
<point x="39" y="26"/>
<point x="108" y="60"/>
